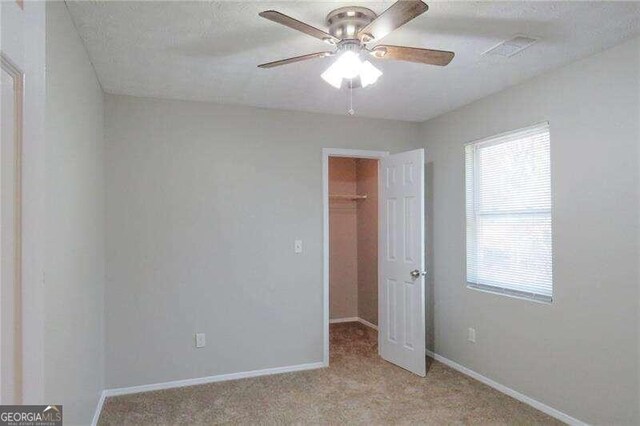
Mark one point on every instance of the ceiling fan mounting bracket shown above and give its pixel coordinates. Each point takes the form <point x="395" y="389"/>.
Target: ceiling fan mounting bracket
<point x="346" y="22"/>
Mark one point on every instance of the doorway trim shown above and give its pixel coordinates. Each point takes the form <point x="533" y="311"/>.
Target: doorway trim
<point x="17" y="76"/>
<point x="326" y="153"/>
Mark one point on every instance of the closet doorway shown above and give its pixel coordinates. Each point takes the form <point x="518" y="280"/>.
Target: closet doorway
<point x="353" y="241"/>
<point x="373" y="256"/>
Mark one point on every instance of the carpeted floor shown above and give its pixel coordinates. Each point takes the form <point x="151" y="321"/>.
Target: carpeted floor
<point x="358" y="388"/>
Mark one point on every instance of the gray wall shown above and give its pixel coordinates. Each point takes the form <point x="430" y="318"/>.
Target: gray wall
<point x="580" y="353"/>
<point x="75" y="246"/>
<point x="203" y="205"/>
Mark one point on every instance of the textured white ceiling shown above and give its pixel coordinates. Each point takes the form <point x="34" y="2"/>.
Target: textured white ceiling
<point x="209" y="51"/>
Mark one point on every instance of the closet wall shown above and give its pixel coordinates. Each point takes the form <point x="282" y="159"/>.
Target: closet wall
<point x="367" y="218"/>
<point x="353" y="239"/>
<point x="343" y="240"/>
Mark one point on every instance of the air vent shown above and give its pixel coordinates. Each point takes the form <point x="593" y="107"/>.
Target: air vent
<point x="510" y="47"/>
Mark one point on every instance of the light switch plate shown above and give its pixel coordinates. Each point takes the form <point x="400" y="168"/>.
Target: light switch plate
<point x="472" y="335"/>
<point x="201" y="341"/>
<point x="297" y="246"/>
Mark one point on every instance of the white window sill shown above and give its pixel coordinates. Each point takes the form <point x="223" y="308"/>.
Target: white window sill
<point x="501" y="292"/>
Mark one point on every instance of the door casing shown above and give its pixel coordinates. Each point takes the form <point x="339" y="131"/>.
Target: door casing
<point x="14" y="328"/>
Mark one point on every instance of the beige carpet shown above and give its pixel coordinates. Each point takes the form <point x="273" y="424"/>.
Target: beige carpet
<point x="358" y="388"/>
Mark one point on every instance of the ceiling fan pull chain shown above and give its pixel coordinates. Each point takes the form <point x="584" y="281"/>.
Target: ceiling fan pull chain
<point x="351" y="111"/>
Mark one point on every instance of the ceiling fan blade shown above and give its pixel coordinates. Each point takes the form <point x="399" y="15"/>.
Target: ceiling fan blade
<point x="413" y="54"/>
<point x="295" y="59"/>
<point x="290" y="22"/>
<point x="396" y="16"/>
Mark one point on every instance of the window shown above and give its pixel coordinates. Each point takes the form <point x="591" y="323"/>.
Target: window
<point x="508" y="190"/>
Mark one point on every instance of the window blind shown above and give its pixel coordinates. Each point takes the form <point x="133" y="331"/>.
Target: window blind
<point x="508" y="204"/>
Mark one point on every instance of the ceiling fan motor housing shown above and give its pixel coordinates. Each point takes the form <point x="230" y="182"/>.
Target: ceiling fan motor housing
<point x="344" y="23"/>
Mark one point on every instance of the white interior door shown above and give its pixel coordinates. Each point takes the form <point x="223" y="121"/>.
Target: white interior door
<point x="401" y="293"/>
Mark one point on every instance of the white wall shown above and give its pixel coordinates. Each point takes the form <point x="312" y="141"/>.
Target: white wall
<point x="204" y="203"/>
<point x="580" y="353"/>
<point x="75" y="240"/>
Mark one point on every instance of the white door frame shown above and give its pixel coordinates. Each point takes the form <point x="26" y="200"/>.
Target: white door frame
<point x="15" y="330"/>
<point x="326" y="153"/>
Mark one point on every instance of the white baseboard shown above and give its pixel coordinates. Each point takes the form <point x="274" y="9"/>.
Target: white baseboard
<point x="199" y="381"/>
<point x="339" y="320"/>
<point x="212" y="379"/>
<point x="508" y="391"/>
<point x="354" y="319"/>
<point x="96" y="414"/>
<point x="367" y="323"/>
<point x="315" y="365"/>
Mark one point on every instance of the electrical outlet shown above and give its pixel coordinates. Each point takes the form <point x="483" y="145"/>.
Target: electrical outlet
<point x="472" y="335"/>
<point x="201" y="341"/>
<point x="297" y="246"/>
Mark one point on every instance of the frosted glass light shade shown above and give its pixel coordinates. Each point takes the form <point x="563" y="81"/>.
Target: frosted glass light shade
<point x="349" y="66"/>
<point x="369" y="74"/>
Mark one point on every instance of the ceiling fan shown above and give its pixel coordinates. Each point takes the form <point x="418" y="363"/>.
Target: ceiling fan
<point x="351" y="29"/>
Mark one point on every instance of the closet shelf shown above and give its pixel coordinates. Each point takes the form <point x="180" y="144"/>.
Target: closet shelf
<point x="348" y="197"/>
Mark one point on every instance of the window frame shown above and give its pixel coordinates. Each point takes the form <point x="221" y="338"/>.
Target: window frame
<point x="487" y="142"/>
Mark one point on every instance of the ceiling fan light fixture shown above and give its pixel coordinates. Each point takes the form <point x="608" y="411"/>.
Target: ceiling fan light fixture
<point x="350" y="28"/>
<point x="349" y="66"/>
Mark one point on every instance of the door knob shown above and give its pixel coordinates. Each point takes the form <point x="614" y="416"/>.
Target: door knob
<point x="417" y="274"/>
